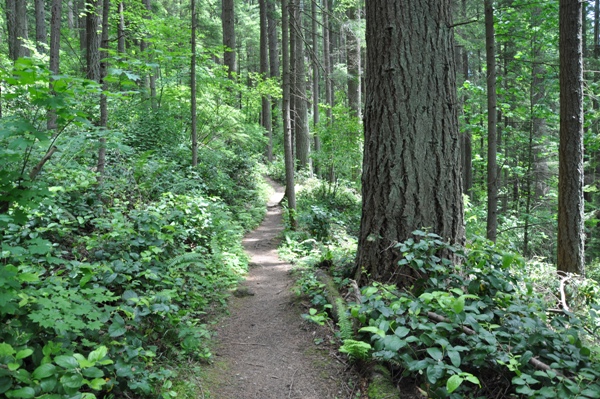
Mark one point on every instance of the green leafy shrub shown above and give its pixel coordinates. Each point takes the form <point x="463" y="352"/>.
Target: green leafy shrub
<point x="472" y="320"/>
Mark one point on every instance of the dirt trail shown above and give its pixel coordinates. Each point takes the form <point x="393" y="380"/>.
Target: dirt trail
<point x="265" y="350"/>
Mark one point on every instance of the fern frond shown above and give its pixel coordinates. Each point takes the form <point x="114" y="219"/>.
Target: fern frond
<point x="186" y="259"/>
<point x="344" y="323"/>
<point x="356" y="349"/>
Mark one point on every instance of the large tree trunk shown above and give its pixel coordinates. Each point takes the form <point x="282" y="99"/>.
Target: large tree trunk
<point x="570" y="175"/>
<point x="41" y="33"/>
<point x="228" y="24"/>
<point x="290" y="190"/>
<point x="411" y="169"/>
<point x="266" y="118"/>
<point x="54" y="53"/>
<point x="22" y="33"/>
<point x="492" y="167"/>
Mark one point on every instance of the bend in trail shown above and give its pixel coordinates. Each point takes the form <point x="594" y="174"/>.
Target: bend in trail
<point x="265" y="349"/>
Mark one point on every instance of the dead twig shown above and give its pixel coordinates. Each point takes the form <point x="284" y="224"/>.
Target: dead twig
<point x="246" y="343"/>
<point x="292" y="384"/>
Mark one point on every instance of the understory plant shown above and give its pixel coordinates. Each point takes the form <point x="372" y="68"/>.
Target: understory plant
<point x="475" y="327"/>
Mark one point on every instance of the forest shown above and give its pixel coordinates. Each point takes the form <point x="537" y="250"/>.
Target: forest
<point x="442" y="169"/>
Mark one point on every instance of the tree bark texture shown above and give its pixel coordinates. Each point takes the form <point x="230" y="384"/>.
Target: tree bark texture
<point x="301" y="102"/>
<point x="228" y="24"/>
<point x="121" y="29"/>
<point x="290" y="189"/>
<point x="103" y="97"/>
<point x="492" y="120"/>
<point x="411" y="168"/>
<point x="21" y="30"/>
<point x="353" y="62"/>
<point x="570" y="174"/>
<point x="273" y="39"/>
<point x="193" y="89"/>
<point x="315" y="80"/>
<point x="92" y="40"/>
<point x="11" y="28"/>
<point x="55" y="22"/>
<point x="266" y="118"/>
<point x="41" y="33"/>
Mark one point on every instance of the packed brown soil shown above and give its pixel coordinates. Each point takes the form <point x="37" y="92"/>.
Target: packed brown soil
<point x="265" y="349"/>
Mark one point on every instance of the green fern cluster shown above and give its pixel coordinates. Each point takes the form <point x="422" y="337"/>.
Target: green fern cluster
<point x="357" y="350"/>
<point x="186" y="259"/>
<point x="344" y="323"/>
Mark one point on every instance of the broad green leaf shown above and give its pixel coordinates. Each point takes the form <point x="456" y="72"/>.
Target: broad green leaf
<point x="93" y="372"/>
<point x="44" y="371"/>
<point x="13" y="366"/>
<point x="434" y="373"/>
<point x="97" y="383"/>
<point x="454" y="358"/>
<point x="5" y="384"/>
<point x="22" y="354"/>
<point x="67" y="362"/>
<point x="74" y="381"/>
<point x="82" y="361"/>
<point x="459" y="304"/>
<point x="373" y="330"/>
<point x="402" y="332"/>
<point x="98" y="354"/>
<point x="6" y="349"/>
<point x="435" y="353"/>
<point x="25" y="393"/>
<point x="453" y="383"/>
<point x="48" y="384"/>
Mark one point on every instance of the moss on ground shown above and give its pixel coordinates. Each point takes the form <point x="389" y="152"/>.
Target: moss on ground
<point x="382" y="387"/>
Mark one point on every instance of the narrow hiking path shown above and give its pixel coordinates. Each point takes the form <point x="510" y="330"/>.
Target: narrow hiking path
<point x="265" y="350"/>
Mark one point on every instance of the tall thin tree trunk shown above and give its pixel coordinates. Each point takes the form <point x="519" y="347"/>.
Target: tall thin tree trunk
<point x="229" y="40"/>
<point x="492" y="167"/>
<point x="92" y="40"/>
<point x="353" y="62"/>
<point x="54" y="54"/>
<point x="570" y="175"/>
<point x="301" y="125"/>
<point x="103" y="98"/>
<point x="266" y="118"/>
<point x="290" y="190"/>
<point x="11" y="28"/>
<point x="315" y="81"/>
<point x="193" y="89"/>
<point x="121" y="29"/>
<point x="327" y="61"/>
<point x="70" y="19"/>
<point x="41" y="33"/>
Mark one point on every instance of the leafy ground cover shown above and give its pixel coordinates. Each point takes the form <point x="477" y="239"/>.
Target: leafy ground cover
<point x="486" y="324"/>
<point x="105" y="289"/>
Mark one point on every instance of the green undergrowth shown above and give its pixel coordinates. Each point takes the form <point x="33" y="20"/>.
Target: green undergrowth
<point x="107" y="290"/>
<point x="487" y="323"/>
